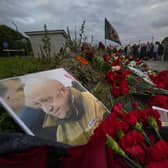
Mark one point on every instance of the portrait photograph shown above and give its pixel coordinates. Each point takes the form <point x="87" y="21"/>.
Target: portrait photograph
<point x="52" y="105"/>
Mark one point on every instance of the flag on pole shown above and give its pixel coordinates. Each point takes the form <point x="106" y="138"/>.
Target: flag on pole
<point x="111" y="33"/>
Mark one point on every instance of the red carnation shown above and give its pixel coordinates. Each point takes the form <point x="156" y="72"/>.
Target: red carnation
<point x="117" y="107"/>
<point x="131" y="143"/>
<point x="130" y="119"/>
<point x="147" y="113"/>
<point x="158" y="151"/>
<point x="111" y="76"/>
<point x="159" y="100"/>
<point x="115" y="90"/>
<point x="161" y="79"/>
<point x="125" y="73"/>
<point x="137" y="152"/>
<point x="135" y="104"/>
<point x="116" y="62"/>
<point x="160" y="164"/>
<point x="124" y="87"/>
<point x="107" y="57"/>
<point x="131" y="138"/>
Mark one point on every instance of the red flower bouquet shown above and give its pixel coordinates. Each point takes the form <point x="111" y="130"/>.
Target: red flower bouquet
<point x="161" y="79"/>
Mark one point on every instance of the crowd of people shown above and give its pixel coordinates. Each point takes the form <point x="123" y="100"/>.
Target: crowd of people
<point x="155" y="51"/>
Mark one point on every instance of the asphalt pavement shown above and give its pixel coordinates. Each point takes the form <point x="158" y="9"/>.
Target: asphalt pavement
<point x="157" y="65"/>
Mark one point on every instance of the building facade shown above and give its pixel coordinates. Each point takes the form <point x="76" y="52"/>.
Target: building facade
<point x="57" y="39"/>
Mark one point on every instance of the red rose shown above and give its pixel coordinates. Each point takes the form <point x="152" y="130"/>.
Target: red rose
<point x="158" y="151"/>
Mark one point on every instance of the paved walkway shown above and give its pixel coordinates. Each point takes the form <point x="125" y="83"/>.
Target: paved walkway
<point x="157" y="65"/>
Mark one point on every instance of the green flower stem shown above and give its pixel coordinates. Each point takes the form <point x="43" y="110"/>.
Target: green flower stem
<point x="153" y="123"/>
<point x="158" y="134"/>
<point x="146" y="138"/>
<point x="139" y="127"/>
<point x="156" y="91"/>
<point x="116" y="148"/>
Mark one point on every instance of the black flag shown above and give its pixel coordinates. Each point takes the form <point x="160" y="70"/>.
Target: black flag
<point x="111" y="33"/>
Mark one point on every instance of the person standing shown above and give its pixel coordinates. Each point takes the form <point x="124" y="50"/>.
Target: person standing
<point x="160" y="51"/>
<point x="148" y="50"/>
<point x="155" y="51"/>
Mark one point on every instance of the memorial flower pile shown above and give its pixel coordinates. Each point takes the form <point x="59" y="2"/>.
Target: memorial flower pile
<point x="134" y="137"/>
<point x="127" y="138"/>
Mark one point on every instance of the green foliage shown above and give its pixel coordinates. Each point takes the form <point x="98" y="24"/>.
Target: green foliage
<point x="14" y="39"/>
<point x="165" y="41"/>
<point x="99" y="63"/>
<point x="101" y="91"/>
<point x="14" y="66"/>
<point x="8" y="34"/>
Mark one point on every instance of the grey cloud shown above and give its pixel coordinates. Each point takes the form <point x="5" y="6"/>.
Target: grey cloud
<point x="133" y="19"/>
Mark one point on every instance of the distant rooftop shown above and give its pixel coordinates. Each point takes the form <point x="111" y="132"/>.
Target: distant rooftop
<point x="34" y="33"/>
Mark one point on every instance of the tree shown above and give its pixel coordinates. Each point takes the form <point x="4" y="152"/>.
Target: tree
<point x="46" y="44"/>
<point x="13" y="38"/>
<point x="165" y="41"/>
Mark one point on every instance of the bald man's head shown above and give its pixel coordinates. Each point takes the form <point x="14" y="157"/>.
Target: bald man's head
<point x="49" y="95"/>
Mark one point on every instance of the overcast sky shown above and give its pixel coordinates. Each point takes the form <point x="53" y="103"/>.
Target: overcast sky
<point x="134" y="20"/>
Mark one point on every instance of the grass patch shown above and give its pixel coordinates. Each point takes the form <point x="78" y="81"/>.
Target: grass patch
<point x="15" y="66"/>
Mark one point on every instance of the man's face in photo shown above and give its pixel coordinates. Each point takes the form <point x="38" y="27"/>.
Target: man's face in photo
<point x="52" y="99"/>
<point x="14" y="95"/>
